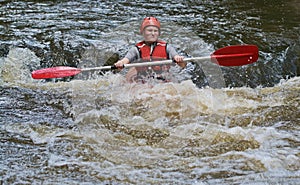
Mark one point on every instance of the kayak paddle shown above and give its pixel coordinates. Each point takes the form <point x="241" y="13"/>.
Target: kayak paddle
<point x="237" y="55"/>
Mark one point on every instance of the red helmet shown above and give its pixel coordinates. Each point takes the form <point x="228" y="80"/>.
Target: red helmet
<point x="149" y="21"/>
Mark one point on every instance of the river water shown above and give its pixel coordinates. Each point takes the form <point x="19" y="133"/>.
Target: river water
<point x="216" y="125"/>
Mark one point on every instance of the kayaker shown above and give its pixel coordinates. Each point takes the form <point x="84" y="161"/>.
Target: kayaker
<point x="150" y="49"/>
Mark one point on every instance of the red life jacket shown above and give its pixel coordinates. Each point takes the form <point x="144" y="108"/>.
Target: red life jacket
<point x="159" y="52"/>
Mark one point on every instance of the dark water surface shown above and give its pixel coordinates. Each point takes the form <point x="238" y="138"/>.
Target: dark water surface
<point x="219" y="125"/>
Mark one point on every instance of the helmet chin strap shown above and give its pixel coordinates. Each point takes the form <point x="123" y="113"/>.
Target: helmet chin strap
<point x="150" y="43"/>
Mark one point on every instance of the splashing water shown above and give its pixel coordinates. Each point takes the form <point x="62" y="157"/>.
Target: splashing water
<point x="98" y="129"/>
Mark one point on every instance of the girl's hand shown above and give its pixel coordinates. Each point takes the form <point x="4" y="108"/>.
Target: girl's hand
<point x="120" y="63"/>
<point x="179" y="60"/>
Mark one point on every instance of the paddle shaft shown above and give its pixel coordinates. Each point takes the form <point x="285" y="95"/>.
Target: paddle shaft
<point x="227" y="56"/>
<point x="144" y="64"/>
<point x="165" y="62"/>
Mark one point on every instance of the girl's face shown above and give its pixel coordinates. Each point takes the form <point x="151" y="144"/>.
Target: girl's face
<point x="151" y="34"/>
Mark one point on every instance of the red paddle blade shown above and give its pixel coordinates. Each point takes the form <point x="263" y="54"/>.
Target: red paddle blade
<point x="55" y="72"/>
<point x="235" y="55"/>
